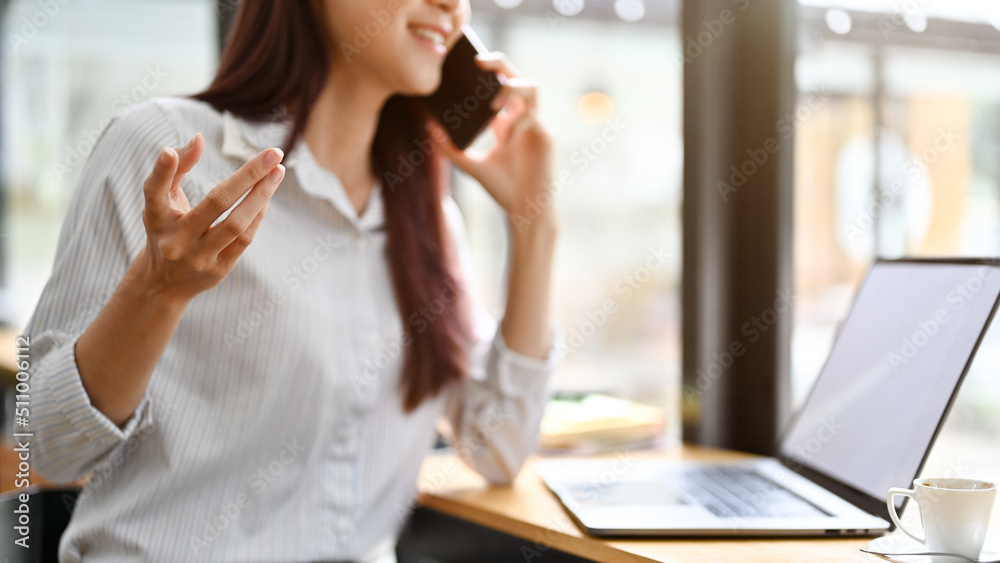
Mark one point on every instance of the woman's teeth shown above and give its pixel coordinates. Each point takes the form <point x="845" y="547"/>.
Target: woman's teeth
<point x="429" y="34"/>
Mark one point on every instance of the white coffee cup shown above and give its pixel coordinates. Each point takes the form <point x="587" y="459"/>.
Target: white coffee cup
<point x="955" y="513"/>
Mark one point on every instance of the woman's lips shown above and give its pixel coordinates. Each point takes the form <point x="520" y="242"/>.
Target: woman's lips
<point x="430" y="37"/>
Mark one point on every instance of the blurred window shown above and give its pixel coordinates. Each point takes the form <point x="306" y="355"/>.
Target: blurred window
<point x="610" y="93"/>
<point x="897" y="156"/>
<point x="66" y="69"/>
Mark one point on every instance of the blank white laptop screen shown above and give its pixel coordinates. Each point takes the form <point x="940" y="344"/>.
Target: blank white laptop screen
<point x="896" y="361"/>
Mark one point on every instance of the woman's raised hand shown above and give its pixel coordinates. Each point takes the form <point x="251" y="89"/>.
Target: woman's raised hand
<point x="185" y="253"/>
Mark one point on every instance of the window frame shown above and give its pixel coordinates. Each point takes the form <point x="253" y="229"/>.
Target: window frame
<point x="737" y="252"/>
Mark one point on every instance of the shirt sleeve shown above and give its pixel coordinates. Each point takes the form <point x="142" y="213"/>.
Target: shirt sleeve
<point x="494" y="414"/>
<point x="101" y="234"/>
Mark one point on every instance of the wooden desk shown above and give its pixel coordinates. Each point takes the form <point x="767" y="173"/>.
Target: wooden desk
<point x="528" y="510"/>
<point x="8" y="365"/>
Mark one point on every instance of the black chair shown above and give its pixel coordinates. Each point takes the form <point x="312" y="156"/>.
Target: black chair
<point x="48" y="512"/>
<point x="428" y="537"/>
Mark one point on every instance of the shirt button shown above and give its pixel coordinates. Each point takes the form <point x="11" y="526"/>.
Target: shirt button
<point x="371" y="338"/>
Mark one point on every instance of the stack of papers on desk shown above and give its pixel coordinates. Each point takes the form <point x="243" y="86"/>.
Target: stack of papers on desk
<point x="593" y="422"/>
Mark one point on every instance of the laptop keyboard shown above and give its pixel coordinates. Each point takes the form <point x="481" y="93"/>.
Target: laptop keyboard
<point x="741" y="492"/>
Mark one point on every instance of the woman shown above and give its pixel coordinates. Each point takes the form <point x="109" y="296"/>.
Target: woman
<point x="273" y="401"/>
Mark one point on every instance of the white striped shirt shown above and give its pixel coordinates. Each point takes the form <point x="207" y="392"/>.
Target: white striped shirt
<point x="272" y="428"/>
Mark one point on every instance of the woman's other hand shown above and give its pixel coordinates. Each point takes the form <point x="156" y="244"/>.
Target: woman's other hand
<point x="518" y="172"/>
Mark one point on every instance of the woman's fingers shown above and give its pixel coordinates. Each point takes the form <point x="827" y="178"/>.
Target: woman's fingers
<point x="191" y="253"/>
<point x="524" y="122"/>
<point x="223" y="196"/>
<point x="156" y="189"/>
<point x="232" y="253"/>
<point x="243" y="215"/>
<point x="497" y="61"/>
<point x="189" y="155"/>
<point x="525" y="89"/>
<point x="514" y="85"/>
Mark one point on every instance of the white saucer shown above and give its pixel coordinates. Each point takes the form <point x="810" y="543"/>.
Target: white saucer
<point x="901" y="543"/>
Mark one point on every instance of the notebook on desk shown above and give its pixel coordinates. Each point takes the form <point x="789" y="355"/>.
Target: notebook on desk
<point x="867" y="424"/>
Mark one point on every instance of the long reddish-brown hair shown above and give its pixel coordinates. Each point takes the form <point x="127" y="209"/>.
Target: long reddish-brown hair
<point x="277" y="58"/>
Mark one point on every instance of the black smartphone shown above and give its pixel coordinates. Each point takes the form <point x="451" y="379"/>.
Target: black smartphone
<point x="461" y="103"/>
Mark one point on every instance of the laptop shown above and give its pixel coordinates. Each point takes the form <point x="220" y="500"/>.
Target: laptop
<point x="866" y="425"/>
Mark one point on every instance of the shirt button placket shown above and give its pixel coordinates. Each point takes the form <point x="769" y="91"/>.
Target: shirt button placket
<point x="373" y="353"/>
<point x="343" y="522"/>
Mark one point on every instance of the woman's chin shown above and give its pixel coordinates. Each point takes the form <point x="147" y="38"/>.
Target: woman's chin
<point x="424" y="85"/>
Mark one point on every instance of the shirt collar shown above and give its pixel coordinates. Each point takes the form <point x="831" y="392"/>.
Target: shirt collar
<point x="242" y="139"/>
